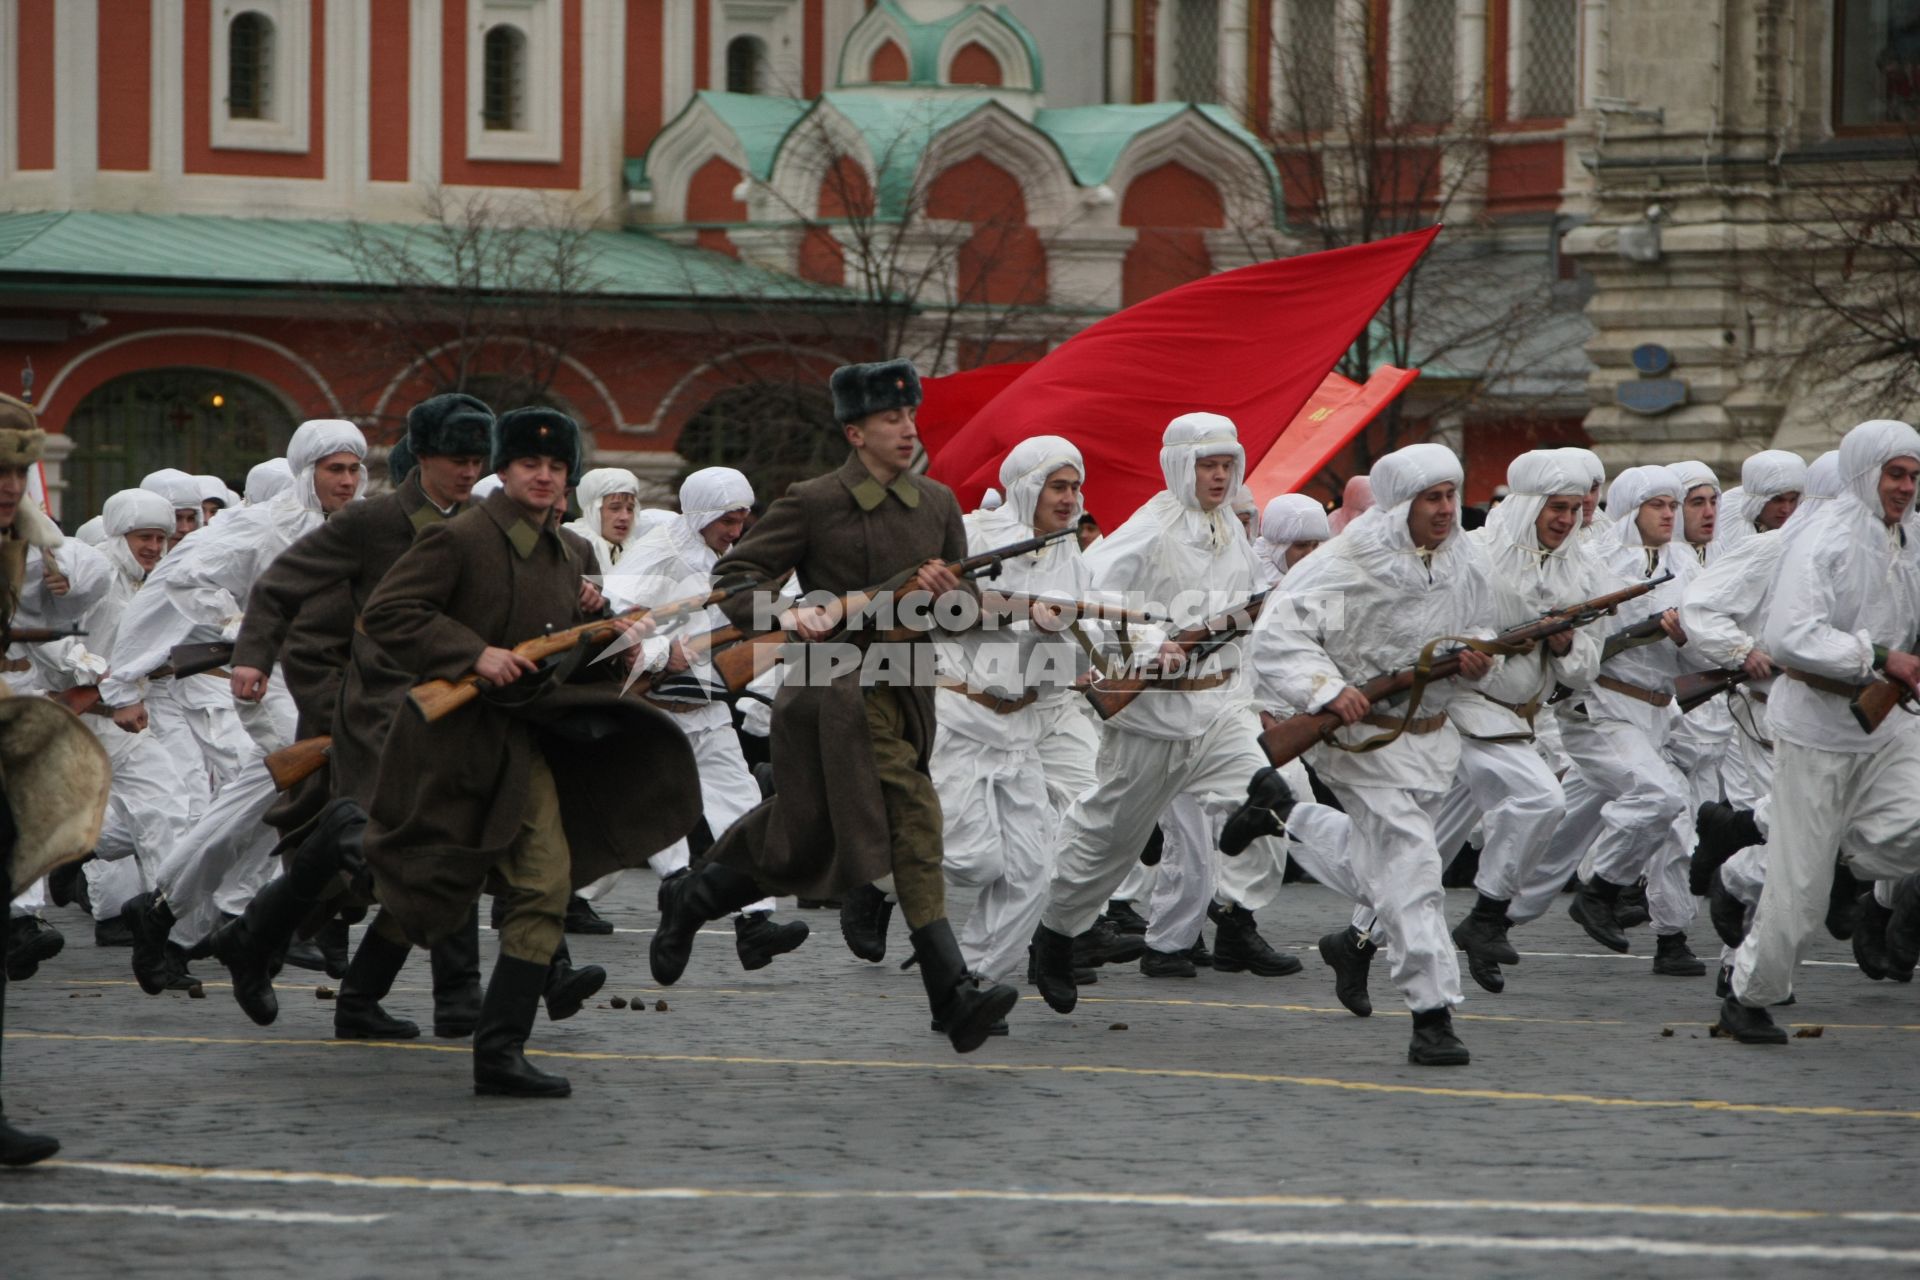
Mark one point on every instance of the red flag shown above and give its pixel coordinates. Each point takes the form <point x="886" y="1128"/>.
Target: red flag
<point x="1333" y="415"/>
<point x="949" y="403"/>
<point x="1253" y="344"/>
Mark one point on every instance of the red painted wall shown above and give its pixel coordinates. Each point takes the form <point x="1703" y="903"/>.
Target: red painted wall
<point x="702" y="46"/>
<point x="974" y="64"/>
<point x="645" y="49"/>
<point x="1524" y="177"/>
<point x="455" y="118"/>
<point x="1003" y="261"/>
<point x="33" y="72"/>
<point x="813" y="47"/>
<point x="1169" y="204"/>
<point x="888" y="65"/>
<point x="389" y="61"/>
<point x="125" y="129"/>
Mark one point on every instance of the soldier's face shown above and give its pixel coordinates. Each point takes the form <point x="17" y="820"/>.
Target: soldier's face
<point x="1588" y="505"/>
<point x="1556" y="520"/>
<point x="185" y="521"/>
<point x="1298" y="551"/>
<point x="147" y="546"/>
<point x="1431" y="515"/>
<point x="1898" y="480"/>
<point x="13" y="486"/>
<point x="1778" y="508"/>
<point x="209" y="508"/>
<point x="724" y="532"/>
<point x="1703" y="512"/>
<point x="1212" y="478"/>
<point x="886" y="440"/>
<point x="536" y="484"/>
<point x="1059" y="501"/>
<point x="1655" y="520"/>
<point x="449" y="478"/>
<point x="336" y="478"/>
<point x="616" y="517"/>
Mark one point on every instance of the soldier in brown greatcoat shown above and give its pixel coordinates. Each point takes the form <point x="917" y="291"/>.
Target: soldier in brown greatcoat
<point x="853" y="801"/>
<point x="528" y="790"/>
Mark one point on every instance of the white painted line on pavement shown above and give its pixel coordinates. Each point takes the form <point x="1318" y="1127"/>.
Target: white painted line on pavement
<point x="298" y="1216"/>
<point x="1567" y="1244"/>
<point x="1134" y="1199"/>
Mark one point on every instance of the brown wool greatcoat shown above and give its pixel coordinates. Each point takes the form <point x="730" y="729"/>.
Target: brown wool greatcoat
<point x="449" y="795"/>
<point x="303" y="608"/>
<point x="826" y="829"/>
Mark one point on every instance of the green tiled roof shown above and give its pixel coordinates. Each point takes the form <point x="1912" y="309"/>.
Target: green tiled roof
<point x="1093" y="138"/>
<point x="194" y="250"/>
<point x="897" y="131"/>
<point x="761" y="123"/>
<point x="924" y="39"/>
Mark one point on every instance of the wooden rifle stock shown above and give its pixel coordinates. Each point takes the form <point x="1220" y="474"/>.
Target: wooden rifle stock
<point x="1290" y="738"/>
<point x="37" y="635"/>
<point x="81" y="699"/>
<point x="290" y="766"/>
<point x="435" y="699"/>
<point x="1112" y="696"/>
<point x="1876" y="702"/>
<point x="197" y="659"/>
<point x="1697" y="688"/>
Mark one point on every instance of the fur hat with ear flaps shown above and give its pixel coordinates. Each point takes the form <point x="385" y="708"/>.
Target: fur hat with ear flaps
<point x="537" y="432"/>
<point x="451" y="424"/>
<point x="863" y="389"/>
<point x="21" y="439"/>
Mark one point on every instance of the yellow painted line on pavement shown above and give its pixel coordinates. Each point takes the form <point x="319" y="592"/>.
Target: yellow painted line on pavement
<point x="1033" y="1068"/>
<point x="1140" y="1199"/>
<point x="1719" y="1251"/>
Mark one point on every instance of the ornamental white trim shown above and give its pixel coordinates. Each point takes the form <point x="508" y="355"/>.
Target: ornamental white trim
<point x="538" y="22"/>
<point x="285" y="126"/>
<point x="1016" y="146"/>
<point x="868" y="34"/>
<point x="688" y="142"/>
<point x="997" y="38"/>
<point x="1245" y="186"/>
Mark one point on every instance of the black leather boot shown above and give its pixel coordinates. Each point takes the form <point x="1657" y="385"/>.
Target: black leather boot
<point x="1903" y="927"/>
<point x="1630" y="910"/>
<point x="1105" y="944"/>
<point x="965" y="1010"/>
<point x="1870" y="937"/>
<point x="864" y="915"/>
<point x="1053" y="969"/>
<point x="1728" y="913"/>
<point x="688" y="899"/>
<point x="757" y="939"/>
<point x="456" y="980"/>
<point x="500" y="1065"/>
<point x="17" y="1148"/>
<point x="149" y="919"/>
<point x="1239" y="948"/>
<point x="1749" y="1026"/>
<point x="1592" y="909"/>
<point x="582" y="918"/>
<point x="1349" y="953"/>
<point x="357" y="1014"/>
<point x="30" y="941"/>
<point x="1672" y="958"/>
<point x="1434" y="1044"/>
<point x="1721" y="831"/>
<point x="1124" y="918"/>
<point x="1166" y="964"/>
<point x="1483" y="936"/>
<point x="568" y="989"/>
<point x="250" y="944"/>
<point x="1264" y="813"/>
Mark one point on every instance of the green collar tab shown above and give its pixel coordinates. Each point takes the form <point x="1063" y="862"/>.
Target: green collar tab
<point x="870" y="493"/>
<point x="524" y="538"/>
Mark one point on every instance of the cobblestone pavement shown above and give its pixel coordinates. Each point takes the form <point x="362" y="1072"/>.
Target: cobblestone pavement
<point x="801" y="1121"/>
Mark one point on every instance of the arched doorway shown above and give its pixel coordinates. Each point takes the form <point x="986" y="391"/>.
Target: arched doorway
<point x="203" y="421"/>
<point x="774" y="433"/>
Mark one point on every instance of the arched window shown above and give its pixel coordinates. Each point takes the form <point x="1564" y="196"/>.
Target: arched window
<point x="503" y="105"/>
<point x="1196" y="51"/>
<point x="746" y="65"/>
<point x="250" y="67"/>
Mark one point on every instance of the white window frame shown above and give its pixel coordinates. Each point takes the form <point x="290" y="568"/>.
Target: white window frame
<point x="539" y="22"/>
<point x="1519" y="53"/>
<point x="777" y="24"/>
<point x="287" y="128"/>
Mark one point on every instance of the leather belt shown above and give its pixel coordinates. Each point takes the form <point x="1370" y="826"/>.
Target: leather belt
<point x="17" y="664"/>
<point x="1425" y="724"/>
<point x="1757" y="695"/>
<point x="992" y="701"/>
<point x="1525" y="710"/>
<point x="1651" y="697"/>
<point x="676" y="708"/>
<point x="1826" y="684"/>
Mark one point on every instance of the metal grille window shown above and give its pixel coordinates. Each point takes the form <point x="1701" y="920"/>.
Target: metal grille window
<point x="504" y="79"/>
<point x="250" y="67"/>
<point x="1196" y="50"/>
<point x="1427" y="54"/>
<point x="1876" y="63"/>
<point x="1307" y="67"/>
<point x="746" y="65"/>
<point x="1549" y="66"/>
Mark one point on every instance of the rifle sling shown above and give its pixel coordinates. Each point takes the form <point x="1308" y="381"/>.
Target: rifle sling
<point x="1422" y="673"/>
<point x="1652" y="697"/>
<point x="1826" y="684"/>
